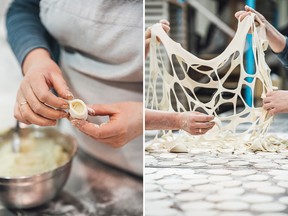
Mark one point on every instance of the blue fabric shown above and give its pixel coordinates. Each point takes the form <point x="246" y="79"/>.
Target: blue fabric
<point x="283" y="56"/>
<point x="26" y="32"/>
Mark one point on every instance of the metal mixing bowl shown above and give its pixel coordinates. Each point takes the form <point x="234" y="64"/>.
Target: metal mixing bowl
<point x="36" y="190"/>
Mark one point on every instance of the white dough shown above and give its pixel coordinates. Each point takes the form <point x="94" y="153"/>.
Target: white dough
<point x="78" y="109"/>
<point x="155" y="195"/>
<point x="168" y="155"/>
<point x="151" y="187"/>
<point x="266" y="165"/>
<point x="177" y="187"/>
<point x="168" y="163"/>
<point x="268" y="207"/>
<point x="190" y="196"/>
<point x="221" y="197"/>
<point x="238" y="163"/>
<point x="257" y="177"/>
<point x="194" y="176"/>
<point x="256" y="184"/>
<point x="243" y="172"/>
<point x="232" y="191"/>
<point x="219" y="171"/>
<point x="161" y="212"/>
<point x="256" y="198"/>
<point x="197" y="164"/>
<point x="197" y="205"/>
<point x="228" y="184"/>
<point x="179" y="148"/>
<point x="271" y="190"/>
<point x="284" y="200"/>
<point x="217" y="161"/>
<point x="218" y="178"/>
<point x="232" y="206"/>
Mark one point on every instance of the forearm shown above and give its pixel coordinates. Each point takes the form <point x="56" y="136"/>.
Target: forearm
<point x="161" y="120"/>
<point x="277" y="41"/>
<point x="25" y="31"/>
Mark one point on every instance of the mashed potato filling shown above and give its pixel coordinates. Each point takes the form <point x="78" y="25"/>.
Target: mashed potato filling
<point x="36" y="156"/>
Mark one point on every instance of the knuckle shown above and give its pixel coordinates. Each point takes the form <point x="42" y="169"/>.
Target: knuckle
<point x="36" y="107"/>
<point x="119" y="143"/>
<point x="43" y="96"/>
<point x="25" y="115"/>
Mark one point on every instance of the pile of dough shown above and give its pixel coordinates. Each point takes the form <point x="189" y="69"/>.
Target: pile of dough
<point x="35" y="157"/>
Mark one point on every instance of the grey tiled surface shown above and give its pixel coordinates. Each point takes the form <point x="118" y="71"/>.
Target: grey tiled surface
<point x="210" y="183"/>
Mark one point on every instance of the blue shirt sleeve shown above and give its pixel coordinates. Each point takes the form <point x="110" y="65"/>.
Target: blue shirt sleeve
<point x="25" y="31"/>
<point x="283" y="56"/>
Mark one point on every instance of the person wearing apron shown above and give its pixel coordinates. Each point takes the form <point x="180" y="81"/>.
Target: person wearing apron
<point x="101" y="61"/>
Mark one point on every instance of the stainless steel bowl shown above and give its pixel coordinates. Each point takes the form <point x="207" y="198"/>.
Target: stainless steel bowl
<point x="36" y="190"/>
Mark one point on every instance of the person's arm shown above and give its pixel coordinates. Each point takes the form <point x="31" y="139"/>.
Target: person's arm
<point x="283" y="55"/>
<point x="277" y="41"/>
<point x="33" y="47"/>
<point x="192" y="122"/>
<point x="25" y="31"/>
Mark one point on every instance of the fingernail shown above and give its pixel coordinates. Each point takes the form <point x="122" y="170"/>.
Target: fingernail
<point x="91" y="111"/>
<point x="65" y="115"/>
<point x="65" y="106"/>
<point x="69" y="96"/>
<point x="52" y="123"/>
<point x="96" y="125"/>
<point x="75" y="123"/>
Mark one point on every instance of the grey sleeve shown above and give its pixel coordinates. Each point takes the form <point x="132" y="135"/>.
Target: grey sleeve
<point x="25" y="31"/>
<point x="283" y="56"/>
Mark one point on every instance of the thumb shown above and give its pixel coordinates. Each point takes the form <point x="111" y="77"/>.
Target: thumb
<point x="61" y="86"/>
<point x="102" y="109"/>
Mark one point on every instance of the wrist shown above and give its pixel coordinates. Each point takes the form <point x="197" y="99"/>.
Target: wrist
<point x="33" y="57"/>
<point x="276" y="40"/>
<point x="179" y="120"/>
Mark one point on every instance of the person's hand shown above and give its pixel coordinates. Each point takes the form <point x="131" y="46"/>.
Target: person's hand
<point x="276" y="40"/>
<point x="276" y="102"/>
<point x="195" y="123"/>
<point x="165" y="25"/>
<point x="242" y="14"/>
<point x="125" y="123"/>
<point x="35" y="103"/>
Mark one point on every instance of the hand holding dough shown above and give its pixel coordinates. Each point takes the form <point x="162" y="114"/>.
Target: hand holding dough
<point x="276" y="102"/>
<point x="125" y="123"/>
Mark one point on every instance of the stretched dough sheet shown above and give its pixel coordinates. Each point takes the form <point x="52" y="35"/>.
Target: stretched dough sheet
<point x="180" y="86"/>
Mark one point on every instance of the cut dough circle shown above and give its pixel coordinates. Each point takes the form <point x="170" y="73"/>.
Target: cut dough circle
<point x="155" y="195"/>
<point x="177" y="187"/>
<point x="256" y="198"/>
<point x="257" y="177"/>
<point x="232" y="206"/>
<point x="190" y="196"/>
<point x="268" y="207"/>
<point x="271" y="190"/>
<point x="78" y="109"/>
